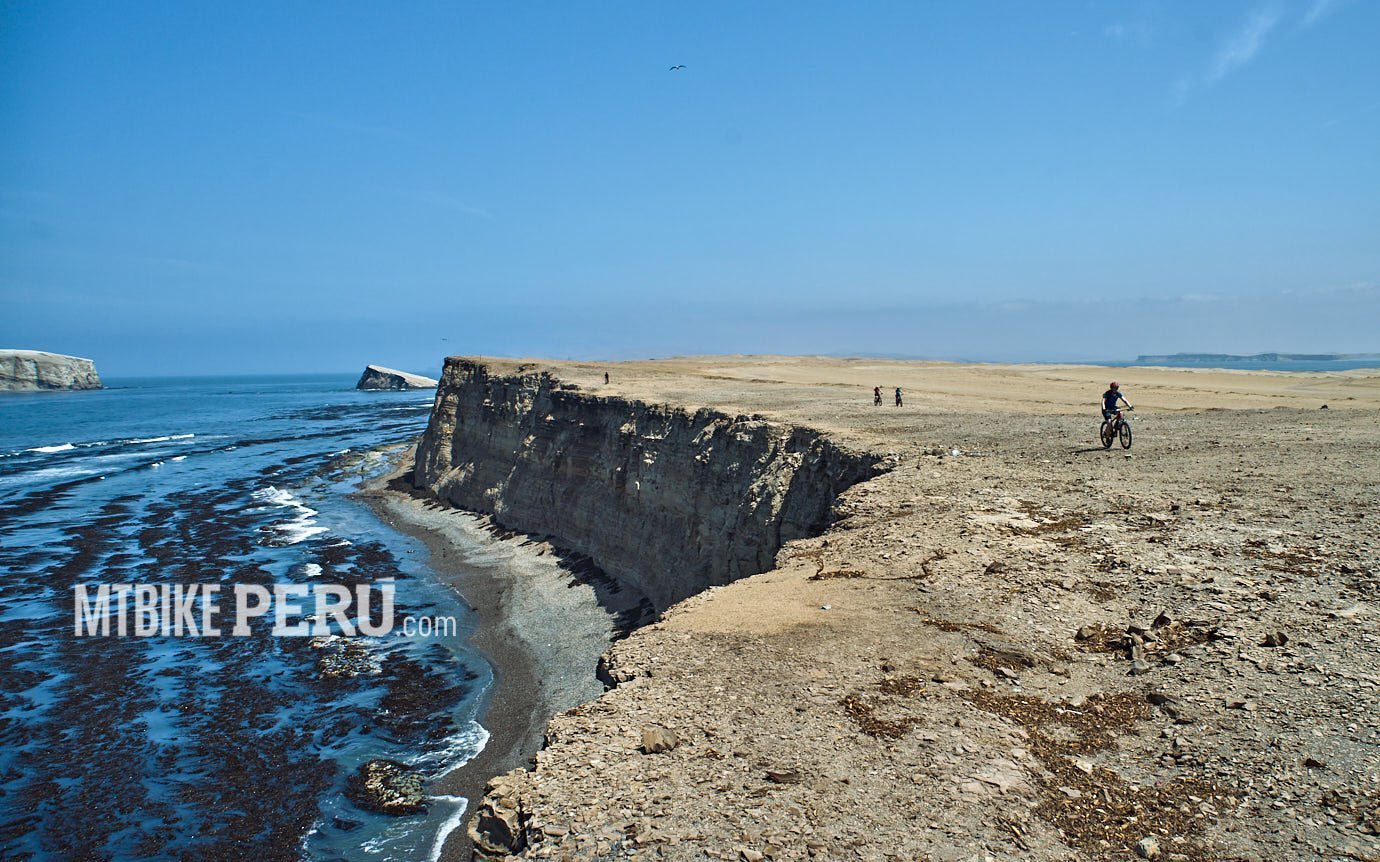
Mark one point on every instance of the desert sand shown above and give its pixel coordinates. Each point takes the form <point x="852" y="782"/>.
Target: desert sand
<point x="1014" y="643"/>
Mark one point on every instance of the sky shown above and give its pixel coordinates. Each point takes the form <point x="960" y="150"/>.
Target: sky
<point x="253" y="187"/>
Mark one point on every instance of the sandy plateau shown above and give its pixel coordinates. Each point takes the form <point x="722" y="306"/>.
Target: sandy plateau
<point x="1012" y="644"/>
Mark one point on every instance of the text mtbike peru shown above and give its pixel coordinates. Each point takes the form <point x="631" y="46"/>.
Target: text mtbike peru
<point x="295" y="610"/>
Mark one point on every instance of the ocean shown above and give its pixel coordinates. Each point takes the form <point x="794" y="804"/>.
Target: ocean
<point x="217" y="747"/>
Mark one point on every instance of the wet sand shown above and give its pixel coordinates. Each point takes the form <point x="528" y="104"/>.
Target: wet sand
<point x="543" y="620"/>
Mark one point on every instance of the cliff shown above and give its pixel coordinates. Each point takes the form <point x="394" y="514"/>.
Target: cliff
<point x="378" y="377"/>
<point x="34" y="370"/>
<point x="666" y="500"/>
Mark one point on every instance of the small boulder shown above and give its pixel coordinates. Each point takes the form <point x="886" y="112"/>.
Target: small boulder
<point x="656" y="739"/>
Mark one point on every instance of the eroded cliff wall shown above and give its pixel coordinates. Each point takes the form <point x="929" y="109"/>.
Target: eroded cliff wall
<point x="668" y="501"/>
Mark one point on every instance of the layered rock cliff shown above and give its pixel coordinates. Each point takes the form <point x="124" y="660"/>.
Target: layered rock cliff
<point x="378" y="377"/>
<point x="668" y="501"/>
<point x="34" y="370"/>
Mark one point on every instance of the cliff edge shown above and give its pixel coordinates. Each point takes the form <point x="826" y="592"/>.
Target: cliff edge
<point x="667" y="500"/>
<point x="35" y="371"/>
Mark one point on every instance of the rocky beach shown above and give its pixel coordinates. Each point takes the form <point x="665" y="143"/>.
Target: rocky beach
<point x="996" y="639"/>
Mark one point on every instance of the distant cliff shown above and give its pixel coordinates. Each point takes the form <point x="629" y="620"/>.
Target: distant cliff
<point x="668" y="501"/>
<point x="34" y="370"/>
<point x="378" y="377"/>
<point x="1208" y="358"/>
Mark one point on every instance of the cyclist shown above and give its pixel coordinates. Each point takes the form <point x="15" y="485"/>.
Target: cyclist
<point x="1109" y="400"/>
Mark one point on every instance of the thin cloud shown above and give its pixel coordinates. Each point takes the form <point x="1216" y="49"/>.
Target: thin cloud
<point x="1318" y="11"/>
<point x="450" y="203"/>
<point x="1244" y="44"/>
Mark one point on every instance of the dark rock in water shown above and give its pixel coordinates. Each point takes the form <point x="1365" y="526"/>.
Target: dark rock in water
<point x="345" y="825"/>
<point x="34" y="370"/>
<point x="386" y="787"/>
<point x="378" y="377"/>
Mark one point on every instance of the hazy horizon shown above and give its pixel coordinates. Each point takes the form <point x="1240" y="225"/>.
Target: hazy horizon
<point x="256" y="188"/>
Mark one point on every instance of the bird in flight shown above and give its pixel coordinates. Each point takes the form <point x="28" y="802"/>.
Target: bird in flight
<point x="677" y="68"/>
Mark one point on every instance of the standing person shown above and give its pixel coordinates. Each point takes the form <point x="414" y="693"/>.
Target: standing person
<point x="876" y="396"/>
<point x="898" y="396"/>
<point x="606" y="378"/>
<point x="1110" y="398"/>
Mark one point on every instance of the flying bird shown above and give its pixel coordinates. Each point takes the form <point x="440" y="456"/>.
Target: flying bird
<point x="677" y="68"/>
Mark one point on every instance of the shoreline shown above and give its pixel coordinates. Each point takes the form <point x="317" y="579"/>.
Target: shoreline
<point x="542" y="621"/>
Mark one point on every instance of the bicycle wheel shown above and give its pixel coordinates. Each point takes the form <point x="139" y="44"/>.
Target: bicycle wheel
<point x="1125" y="435"/>
<point x="1108" y="435"/>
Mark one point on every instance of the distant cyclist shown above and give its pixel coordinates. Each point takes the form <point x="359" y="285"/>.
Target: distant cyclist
<point x="1109" y="400"/>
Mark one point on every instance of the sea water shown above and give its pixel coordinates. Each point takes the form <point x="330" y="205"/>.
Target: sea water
<point x="216" y="747"/>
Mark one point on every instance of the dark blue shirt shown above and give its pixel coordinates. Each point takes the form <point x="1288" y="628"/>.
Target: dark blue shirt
<point x="1109" y="399"/>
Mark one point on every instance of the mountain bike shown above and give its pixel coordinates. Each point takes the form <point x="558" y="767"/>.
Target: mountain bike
<point x="1117" y="426"/>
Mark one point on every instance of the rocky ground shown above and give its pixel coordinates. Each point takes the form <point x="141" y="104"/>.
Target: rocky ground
<point x="1014" y="643"/>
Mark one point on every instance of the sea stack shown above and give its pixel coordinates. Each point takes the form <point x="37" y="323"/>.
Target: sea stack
<point x="378" y="377"/>
<point x="35" y="371"/>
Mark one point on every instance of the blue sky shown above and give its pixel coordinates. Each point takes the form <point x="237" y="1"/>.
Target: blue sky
<point x="220" y="187"/>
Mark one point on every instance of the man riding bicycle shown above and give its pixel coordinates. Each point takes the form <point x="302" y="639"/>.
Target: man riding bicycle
<point x="1109" y="400"/>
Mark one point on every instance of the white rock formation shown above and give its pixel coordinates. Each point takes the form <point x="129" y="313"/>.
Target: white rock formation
<point x="378" y="377"/>
<point x="34" y="370"/>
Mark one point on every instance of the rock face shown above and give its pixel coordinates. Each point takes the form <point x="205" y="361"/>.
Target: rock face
<point x="34" y="370"/>
<point x="378" y="377"/>
<point x="669" y="501"/>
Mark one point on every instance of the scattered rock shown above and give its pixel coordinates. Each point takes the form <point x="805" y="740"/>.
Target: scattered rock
<point x="656" y="739"/>
<point x="1275" y="639"/>
<point x="1148" y="847"/>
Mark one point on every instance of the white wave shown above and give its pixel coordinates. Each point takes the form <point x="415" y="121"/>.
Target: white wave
<point x="45" y="450"/>
<point x="448" y="825"/>
<point x="459" y="749"/>
<point x="178" y="458"/>
<point x="161" y="439"/>
<point x="155" y="465"/>
<point x="299" y="528"/>
<point x="50" y="473"/>
<point x="311" y="570"/>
